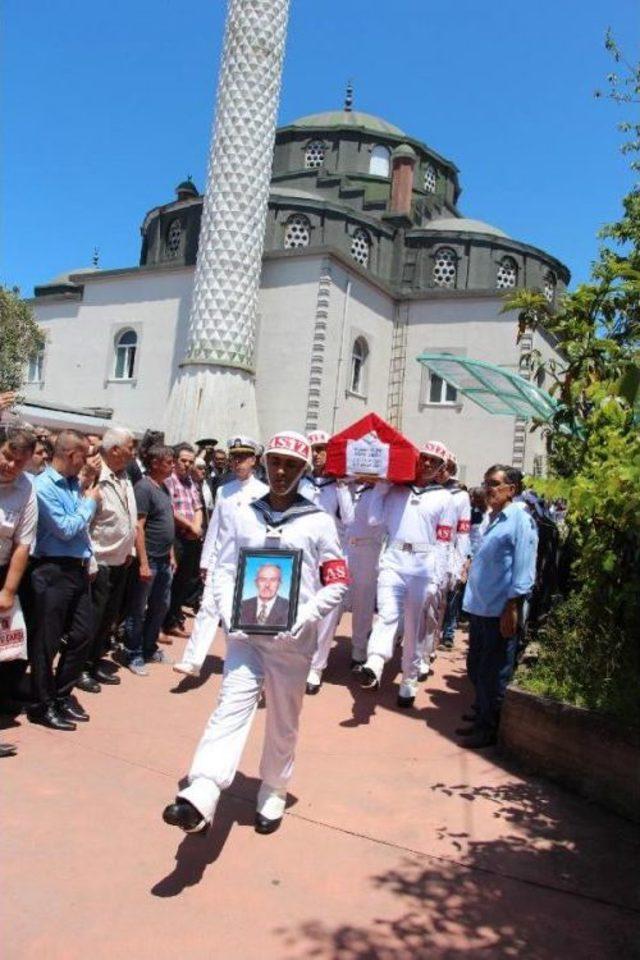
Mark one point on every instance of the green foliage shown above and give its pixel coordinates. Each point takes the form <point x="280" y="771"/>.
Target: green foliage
<point x="20" y="339"/>
<point x="590" y="647"/>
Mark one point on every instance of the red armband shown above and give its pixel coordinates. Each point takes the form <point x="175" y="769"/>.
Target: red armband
<point x="334" y="571"/>
<point x="443" y="534"/>
<point x="464" y="526"/>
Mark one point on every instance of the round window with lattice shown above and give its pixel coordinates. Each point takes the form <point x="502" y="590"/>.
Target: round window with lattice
<point x="445" y="268"/>
<point x="296" y="232"/>
<point x="174" y="238"/>
<point x="430" y="178"/>
<point x="360" y="245"/>
<point x="549" y="286"/>
<point x="506" y="274"/>
<point x="314" y="154"/>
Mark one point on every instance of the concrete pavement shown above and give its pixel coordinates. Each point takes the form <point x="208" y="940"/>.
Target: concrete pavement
<point x="397" y="844"/>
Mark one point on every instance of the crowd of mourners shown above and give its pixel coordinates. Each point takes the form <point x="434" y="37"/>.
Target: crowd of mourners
<point x="108" y="542"/>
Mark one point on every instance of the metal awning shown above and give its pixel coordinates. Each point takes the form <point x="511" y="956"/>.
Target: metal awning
<point x="496" y="389"/>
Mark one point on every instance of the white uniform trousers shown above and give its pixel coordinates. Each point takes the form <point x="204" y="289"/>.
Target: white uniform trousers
<point x="326" y="631"/>
<point x="399" y="595"/>
<point x="281" y="666"/>
<point x="429" y="639"/>
<point x="204" y="629"/>
<point x="363" y="570"/>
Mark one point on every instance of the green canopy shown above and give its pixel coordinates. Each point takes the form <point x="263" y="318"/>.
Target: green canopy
<point x="494" y="388"/>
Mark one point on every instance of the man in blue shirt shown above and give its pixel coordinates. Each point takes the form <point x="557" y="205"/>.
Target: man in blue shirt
<point x="60" y="602"/>
<point x="501" y="575"/>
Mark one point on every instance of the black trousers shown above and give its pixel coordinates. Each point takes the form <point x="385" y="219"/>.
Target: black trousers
<point x="187" y="572"/>
<point x="60" y="606"/>
<point x="107" y="592"/>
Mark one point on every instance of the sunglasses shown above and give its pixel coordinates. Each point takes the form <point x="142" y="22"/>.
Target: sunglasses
<point x="492" y="484"/>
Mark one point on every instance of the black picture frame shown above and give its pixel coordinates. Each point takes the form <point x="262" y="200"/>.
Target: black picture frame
<point x="246" y="599"/>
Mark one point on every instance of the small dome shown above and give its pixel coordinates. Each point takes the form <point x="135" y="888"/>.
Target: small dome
<point x="187" y="189"/>
<point x="464" y="225"/>
<point x="404" y="150"/>
<point x="348" y="118"/>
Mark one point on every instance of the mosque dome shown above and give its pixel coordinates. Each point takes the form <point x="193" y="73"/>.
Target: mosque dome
<point x="348" y="118"/>
<point x="464" y="225"/>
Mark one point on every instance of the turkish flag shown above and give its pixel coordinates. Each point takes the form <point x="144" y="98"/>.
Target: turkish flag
<point x="372" y="448"/>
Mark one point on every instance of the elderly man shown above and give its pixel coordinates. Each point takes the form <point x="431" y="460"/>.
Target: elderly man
<point x="60" y="594"/>
<point x="113" y="531"/>
<point x="278" y="662"/>
<point x="501" y="575"/>
<point x="18" y="517"/>
<point x="188" y="515"/>
<point x="266" y="608"/>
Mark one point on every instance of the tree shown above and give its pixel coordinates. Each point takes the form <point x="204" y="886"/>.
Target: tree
<point x="590" y="651"/>
<point x="21" y="339"/>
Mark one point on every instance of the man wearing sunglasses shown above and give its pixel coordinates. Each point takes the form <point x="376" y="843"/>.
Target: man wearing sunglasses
<point x="500" y="577"/>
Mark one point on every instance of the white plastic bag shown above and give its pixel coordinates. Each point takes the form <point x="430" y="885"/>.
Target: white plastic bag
<point x="13" y="634"/>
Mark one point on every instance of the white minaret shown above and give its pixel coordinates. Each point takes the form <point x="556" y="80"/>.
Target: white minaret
<point x="214" y="392"/>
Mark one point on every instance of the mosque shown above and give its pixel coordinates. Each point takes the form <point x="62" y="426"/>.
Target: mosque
<point x="368" y="263"/>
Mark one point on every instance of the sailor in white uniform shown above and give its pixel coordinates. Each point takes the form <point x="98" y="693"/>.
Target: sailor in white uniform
<point x="335" y="497"/>
<point x="363" y="543"/>
<point x="244" y="488"/>
<point x="286" y="520"/>
<point x="461" y="552"/>
<point x="418" y="521"/>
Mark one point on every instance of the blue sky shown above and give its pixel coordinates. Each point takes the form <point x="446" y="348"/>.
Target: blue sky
<point x="107" y="106"/>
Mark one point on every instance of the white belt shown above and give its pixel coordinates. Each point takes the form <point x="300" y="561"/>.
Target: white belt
<point x="411" y="547"/>
<point x="362" y="541"/>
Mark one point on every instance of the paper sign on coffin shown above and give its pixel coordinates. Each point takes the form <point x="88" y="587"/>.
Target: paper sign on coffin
<point x="372" y="448"/>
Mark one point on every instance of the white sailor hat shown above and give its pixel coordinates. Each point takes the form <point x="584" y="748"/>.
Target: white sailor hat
<point x="433" y="448"/>
<point x="242" y="444"/>
<point x="318" y="438"/>
<point x="290" y="444"/>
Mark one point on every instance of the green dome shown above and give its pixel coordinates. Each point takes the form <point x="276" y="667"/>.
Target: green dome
<point x="348" y="118"/>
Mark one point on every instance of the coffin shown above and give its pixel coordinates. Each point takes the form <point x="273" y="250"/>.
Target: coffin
<point x="372" y="449"/>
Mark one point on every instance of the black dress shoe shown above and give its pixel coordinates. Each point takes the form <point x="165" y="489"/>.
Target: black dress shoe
<point x="8" y="750"/>
<point x="264" y="825"/>
<point x="312" y="689"/>
<point x="466" y="731"/>
<point x="71" y="710"/>
<point x="49" y="717"/>
<point x="405" y="702"/>
<point x="367" y="679"/>
<point x="469" y="717"/>
<point x="446" y="644"/>
<point x="183" y="814"/>
<point x="356" y="666"/>
<point x="86" y="683"/>
<point x="103" y="676"/>
<point x="423" y="676"/>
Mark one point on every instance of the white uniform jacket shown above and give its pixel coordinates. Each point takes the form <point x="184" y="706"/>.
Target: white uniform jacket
<point x="461" y="544"/>
<point x="336" y="499"/>
<point x="419" y="523"/>
<point x="235" y="493"/>
<point x="304" y="526"/>
<point x="360" y="532"/>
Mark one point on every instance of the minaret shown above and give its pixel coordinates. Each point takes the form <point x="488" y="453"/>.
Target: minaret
<point x="214" y="391"/>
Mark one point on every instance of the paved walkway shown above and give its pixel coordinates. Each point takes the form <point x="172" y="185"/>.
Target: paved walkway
<point x="397" y="844"/>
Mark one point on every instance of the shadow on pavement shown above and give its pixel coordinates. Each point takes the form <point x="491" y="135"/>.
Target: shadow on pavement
<point x="213" y="665"/>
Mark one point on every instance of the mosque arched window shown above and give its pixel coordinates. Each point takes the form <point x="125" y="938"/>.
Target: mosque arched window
<point x="445" y="268"/>
<point x="359" y="357"/>
<point x="314" y="154"/>
<point x="297" y="232"/>
<point x="506" y="274"/>
<point x="380" y="161"/>
<point x="360" y="247"/>
<point x="430" y="178"/>
<point x="35" y="367"/>
<point x="174" y="238"/>
<point x="549" y="286"/>
<point x="125" y="357"/>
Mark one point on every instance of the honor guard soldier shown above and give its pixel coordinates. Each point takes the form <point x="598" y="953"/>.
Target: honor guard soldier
<point x="461" y="552"/>
<point x="363" y="544"/>
<point x="418" y="521"/>
<point x="243" y="488"/>
<point x="282" y="519"/>
<point x="334" y="497"/>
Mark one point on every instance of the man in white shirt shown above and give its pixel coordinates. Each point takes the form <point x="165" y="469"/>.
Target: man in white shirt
<point x="244" y="488"/>
<point x="113" y="531"/>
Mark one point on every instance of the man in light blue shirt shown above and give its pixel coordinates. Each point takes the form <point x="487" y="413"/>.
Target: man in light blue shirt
<point x="500" y="577"/>
<point x="60" y="602"/>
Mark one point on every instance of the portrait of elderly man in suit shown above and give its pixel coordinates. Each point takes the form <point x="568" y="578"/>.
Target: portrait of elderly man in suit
<point x="268" y="608"/>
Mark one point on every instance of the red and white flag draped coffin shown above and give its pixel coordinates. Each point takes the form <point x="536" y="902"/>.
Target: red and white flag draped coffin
<point x="372" y="448"/>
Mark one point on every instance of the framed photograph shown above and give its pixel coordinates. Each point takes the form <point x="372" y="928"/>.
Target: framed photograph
<point x="266" y="590"/>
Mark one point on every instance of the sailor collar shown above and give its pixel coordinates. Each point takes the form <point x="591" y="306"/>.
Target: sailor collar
<point x="300" y="507"/>
<point x="419" y="491"/>
<point x="320" y="482"/>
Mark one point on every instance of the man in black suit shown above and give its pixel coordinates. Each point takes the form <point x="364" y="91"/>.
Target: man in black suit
<point x="268" y="608"/>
